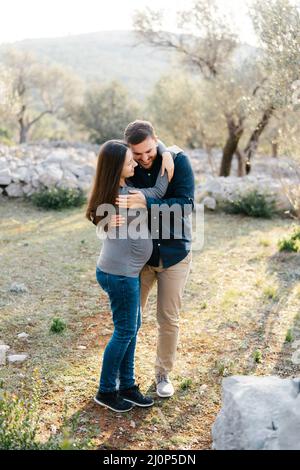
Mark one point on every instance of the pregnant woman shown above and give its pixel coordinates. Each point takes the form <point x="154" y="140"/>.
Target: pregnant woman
<point x="122" y="257"/>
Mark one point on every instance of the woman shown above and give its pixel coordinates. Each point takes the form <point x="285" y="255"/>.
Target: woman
<point x="118" y="267"/>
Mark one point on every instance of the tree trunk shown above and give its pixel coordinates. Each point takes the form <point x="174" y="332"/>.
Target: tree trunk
<point x="274" y="149"/>
<point x="241" y="163"/>
<point x="235" y="131"/>
<point x="23" y="132"/>
<point x="251" y="147"/>
<point x="210" y="158"/>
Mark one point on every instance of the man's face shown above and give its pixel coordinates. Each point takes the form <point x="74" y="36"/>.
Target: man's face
<point x="145" y="153"/>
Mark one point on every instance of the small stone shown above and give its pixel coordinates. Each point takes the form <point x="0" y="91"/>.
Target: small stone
<point x="17" y="358"/>
<point x="209" y="202"/>
<point x="3" y="349"/>
<point x="15" y="287"/>
<point x="296" y="357"/>
<point x="81" y="347"/>
<point x="23" y="335"/>
<point x="132" y="424"/>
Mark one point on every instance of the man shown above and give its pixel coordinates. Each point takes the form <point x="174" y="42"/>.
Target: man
<point x="170" y="262"/>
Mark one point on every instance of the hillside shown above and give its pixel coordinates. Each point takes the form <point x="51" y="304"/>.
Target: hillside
<point x="104" y="56"/>
<point x="111" y="55"/>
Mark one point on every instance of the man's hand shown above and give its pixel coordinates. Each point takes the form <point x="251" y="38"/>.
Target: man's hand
<point x="135" y="200"/>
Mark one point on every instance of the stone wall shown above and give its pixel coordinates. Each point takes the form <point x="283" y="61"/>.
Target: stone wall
<point x="25" y="169"/>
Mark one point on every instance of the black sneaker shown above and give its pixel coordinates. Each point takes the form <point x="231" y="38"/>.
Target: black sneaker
<point x="133" y="395"/>
<point x="113" y="401"/>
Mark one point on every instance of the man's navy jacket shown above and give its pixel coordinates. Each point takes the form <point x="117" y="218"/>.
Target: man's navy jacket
<point x="180" y="191"/>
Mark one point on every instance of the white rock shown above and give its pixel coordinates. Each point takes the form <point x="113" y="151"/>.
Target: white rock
<point x="16" y="287"/>
<point x="57" y="156"/>
<point x="23" y="335"/>
<point x="21" y="174"/>
<point x="70" y="183"/>
<point x="258" y="413"/>
<point x="52" y="175"/>
<point x="2" y="357"/>
<point x="3" y="350"/>
<point x="84" y="185"/>
<point x="209" y="202"/>
<point x="28" y="189"/>
<point x="5" y="176"/>
<point x="13" y="358"/>
<point x="81" y="347"/>
<point x="14" y="190"/>
<point x="296" y="357"/>
<point x="296" y="344"/>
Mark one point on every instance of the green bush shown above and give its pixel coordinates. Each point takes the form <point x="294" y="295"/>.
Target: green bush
<point x="58" y="198"/>
<point x="252" y="204"/>
<point x="289" y="336"/>
<point x="186" y="384"/>
<point x="291" y="243"/>
<point x="257" y="356"/>
<point x="58" y="325"/>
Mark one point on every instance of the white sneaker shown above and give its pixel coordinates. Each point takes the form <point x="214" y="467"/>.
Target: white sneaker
<point x="164" y="388"/>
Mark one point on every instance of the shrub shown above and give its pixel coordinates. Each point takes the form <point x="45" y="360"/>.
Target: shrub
<point x="291" y="243"/>
<point x="58" y="198"/>
<point x="257" y="356"/>
<point x="289" y="336"/>
<point x="186" y="384"/>
<point x="252" y="204"/>
<point x="58" y="325"/>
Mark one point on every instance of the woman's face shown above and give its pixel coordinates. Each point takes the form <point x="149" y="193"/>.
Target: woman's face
<point x="129" y="165"/>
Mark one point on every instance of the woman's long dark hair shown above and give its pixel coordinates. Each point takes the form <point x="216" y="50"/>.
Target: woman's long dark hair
<point x="107" y="179"/>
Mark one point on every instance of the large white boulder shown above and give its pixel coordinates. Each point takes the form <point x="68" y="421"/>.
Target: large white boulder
<point x="14" y="190"/>
<point x="21" y="174"/>
<point x="52" y="175"/>
<point x="5" y="176"/>
<point x="260" y="413"/>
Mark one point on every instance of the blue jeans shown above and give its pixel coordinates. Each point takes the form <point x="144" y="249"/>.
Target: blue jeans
<point x="118" y="357"/>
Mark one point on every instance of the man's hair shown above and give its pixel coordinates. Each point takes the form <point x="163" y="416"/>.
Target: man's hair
<point x="137" y="131"/>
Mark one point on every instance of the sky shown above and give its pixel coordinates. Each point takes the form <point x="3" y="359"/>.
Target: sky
<point x="23" y="19"/>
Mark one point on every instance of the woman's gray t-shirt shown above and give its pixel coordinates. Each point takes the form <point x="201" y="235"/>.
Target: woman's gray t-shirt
<point x="124" y="251"/>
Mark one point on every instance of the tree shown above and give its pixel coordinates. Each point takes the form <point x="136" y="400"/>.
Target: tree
<point x="209" y="48"/>
<point x="38" y="90"/>
<point x="277" y="24"/>
<point x="106" y="111"/>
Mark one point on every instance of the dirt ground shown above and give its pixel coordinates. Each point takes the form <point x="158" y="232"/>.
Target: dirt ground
<point x="241" y="299"/>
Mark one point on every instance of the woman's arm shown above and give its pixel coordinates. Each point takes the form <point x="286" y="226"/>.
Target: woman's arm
<point x="159" y="189"/>
<point x="167" y="160"/>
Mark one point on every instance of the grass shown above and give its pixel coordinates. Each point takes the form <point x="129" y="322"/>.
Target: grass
<point x="58" y="325"/>
<point x="225" y="316"/>
<point x="291" y="242"/>
<point x="257" y="356"/>
<point x="289" y="336"/>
